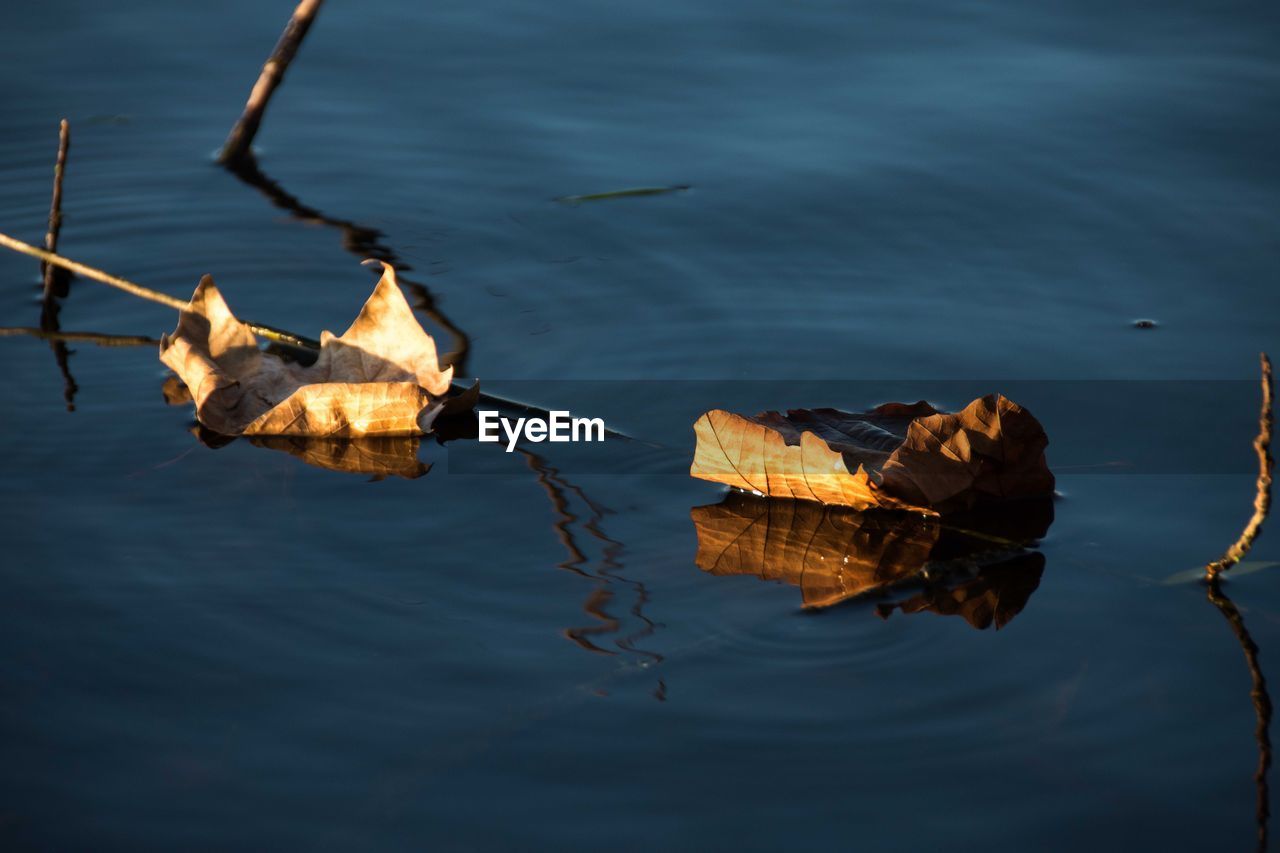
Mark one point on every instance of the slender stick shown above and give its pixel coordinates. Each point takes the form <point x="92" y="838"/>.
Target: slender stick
<point x="268" y="332"/>
<point x="79" y="337"/>
<point x="241" y="136"/>
<point x="55" y="279"/>
<point x="1262" y="500"/>
<point x="55" y="210"/>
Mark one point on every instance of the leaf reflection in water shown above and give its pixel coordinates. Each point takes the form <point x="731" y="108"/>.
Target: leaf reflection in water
<point x="379" y="457"/>
<point x="376" y="457"/>
<point x="975" y="565"/>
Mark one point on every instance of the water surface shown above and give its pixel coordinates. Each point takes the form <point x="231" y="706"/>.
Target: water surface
<point x="207" y="646"/>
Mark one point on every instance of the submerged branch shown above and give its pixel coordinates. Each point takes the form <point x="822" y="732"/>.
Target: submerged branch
<point x="246" y="128"/>
<point x="1262" y="500"/>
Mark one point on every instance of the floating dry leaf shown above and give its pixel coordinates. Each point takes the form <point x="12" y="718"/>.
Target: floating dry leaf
<point x="381" y="377"/>
<point x="834" y="553"/>
<point x="896" y="456"/>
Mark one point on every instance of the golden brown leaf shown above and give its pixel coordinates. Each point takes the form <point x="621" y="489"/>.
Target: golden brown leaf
<point x="897" y="456"/>
<point x="381" y="377"/>
<point x="991" y="450"/>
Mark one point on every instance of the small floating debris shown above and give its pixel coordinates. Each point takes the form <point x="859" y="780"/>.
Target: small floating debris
<point x="627" y="193"/>
<point x="1145" y="324"/>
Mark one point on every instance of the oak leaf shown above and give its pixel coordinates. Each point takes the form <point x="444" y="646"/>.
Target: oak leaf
<point x="896" y="456"/>
<point x="380" y="377"/>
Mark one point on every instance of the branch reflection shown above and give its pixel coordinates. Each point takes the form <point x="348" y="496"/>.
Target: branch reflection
<point x="363" y="242"/>
<point x="606" y="575"/>
<point x="1261" y="701"/>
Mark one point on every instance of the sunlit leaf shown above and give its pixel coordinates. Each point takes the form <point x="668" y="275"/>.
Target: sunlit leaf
<point x="381" y="377"/>
<point x="897" y="456"/>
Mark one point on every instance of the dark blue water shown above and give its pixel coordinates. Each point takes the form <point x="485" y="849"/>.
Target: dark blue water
<point x="215" y="648"/>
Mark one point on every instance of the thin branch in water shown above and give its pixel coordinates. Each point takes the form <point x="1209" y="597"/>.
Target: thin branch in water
<point x="1262" y="500"/>
<point x="246" y="128"/>
<point x="86" y="337"/>
<point x="270" y="333"/>
<point x="1261" y="703"/>
<point x="55" y="279"/>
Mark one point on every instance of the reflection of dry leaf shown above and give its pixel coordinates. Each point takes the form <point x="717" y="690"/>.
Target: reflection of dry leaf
<point x="382" y="456"/>
<point x="834" y="553"/>
<point x="996" y="595"/>
<point x="829" y="552"/>
<point x="381" y="377"/>
<point x="176" y="392"/>
<point x="895" y="456"/>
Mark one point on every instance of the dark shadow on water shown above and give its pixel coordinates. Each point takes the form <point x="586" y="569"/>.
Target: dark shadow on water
<point x="975" y="565"/>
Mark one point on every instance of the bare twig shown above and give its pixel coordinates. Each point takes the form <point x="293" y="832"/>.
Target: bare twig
<point x="268" y="332"/>
<point x="55" y="211"/>
<point x="55" y="279"/>
<point x="1262" y="500"/>
<point x="85" y="337"/>
<point x="1261" y="703"/>
<point x="241" y="137"/>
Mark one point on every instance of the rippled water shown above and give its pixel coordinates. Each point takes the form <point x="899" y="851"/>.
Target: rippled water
<point x="207" y="646"/>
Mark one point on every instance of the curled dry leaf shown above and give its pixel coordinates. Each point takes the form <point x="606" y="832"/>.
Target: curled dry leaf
<point x="381" y="377"/>
<point x="834" y="553"/>
<point x="897" y="456"/>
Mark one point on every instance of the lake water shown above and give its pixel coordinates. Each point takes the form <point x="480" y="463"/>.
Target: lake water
<point x="208" y="648"/>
